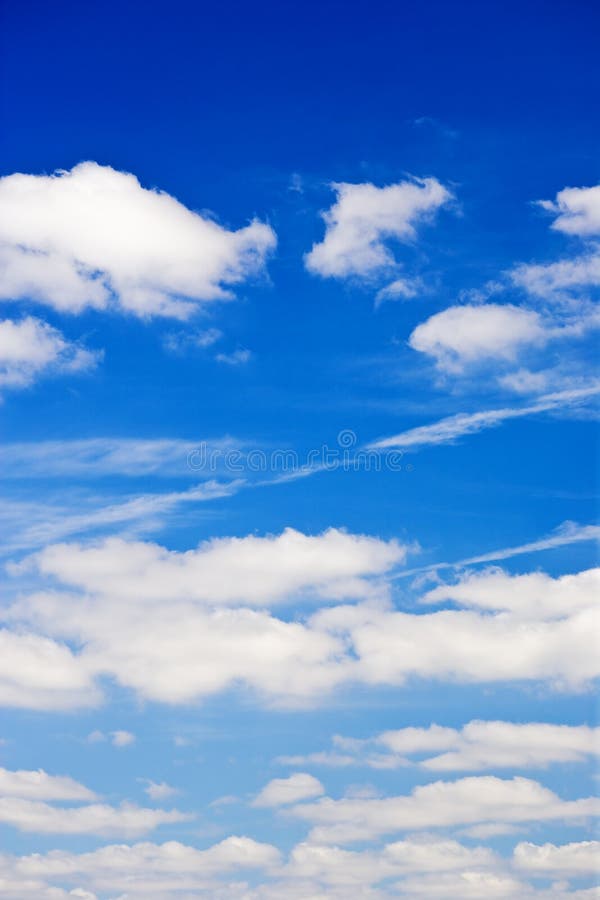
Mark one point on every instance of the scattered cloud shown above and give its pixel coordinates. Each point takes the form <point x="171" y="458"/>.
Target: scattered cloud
<point x="236" y="358"/>
<point x="142" y="251"/>
<point x="365" y="218"/>
<point x="440" y="804"/>
<point x="477" y="746"/>
<point x="282" y="791"/>
<point x="31" y="349"/>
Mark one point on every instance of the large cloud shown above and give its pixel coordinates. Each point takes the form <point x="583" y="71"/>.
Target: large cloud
<point x="175" y="627"/>
<point x="365" y="218"/>
<point x="477" y="746"/>
<point x="93" y="237"/>
<point x="251" y="570"/>
<point x="440" y="804"/>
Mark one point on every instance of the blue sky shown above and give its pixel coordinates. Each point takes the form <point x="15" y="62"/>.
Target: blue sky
<point x="298" y="405"/>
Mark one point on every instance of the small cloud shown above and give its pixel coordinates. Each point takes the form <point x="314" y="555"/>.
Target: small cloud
<point x="237" y="358"/>
<point x="401" y="289"/>
<point x="159" y="790"/>
<point x="122" y="738"/>
<point x="181" y="342"/>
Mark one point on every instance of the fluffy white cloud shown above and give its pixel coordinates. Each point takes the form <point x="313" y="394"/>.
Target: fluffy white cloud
<point x="251" y="570"/>
<point x="336" y="866"/>
<point x="568" y="859"/>
<point x="122" y="738"/>
<point x="280" y="791"/>
<point x="145" y="869"/>
<point x="39" y="673"/>
<point x="440" y="804"/>
<point x="30" y="348"/>
<point x="364" y="218"/>
<point x="461" y="336"/>
<point x="38" y="785"/>
<point x="97" y="818"/>
<point x="531" y="596"/>
<point x="577" y="211"/>
<point x="94" y="237"/>
<point x="179" y="626"/>
<point x="477" y="746"/>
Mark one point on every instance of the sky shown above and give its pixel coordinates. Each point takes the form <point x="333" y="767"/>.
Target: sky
<point x="298" y="450"/>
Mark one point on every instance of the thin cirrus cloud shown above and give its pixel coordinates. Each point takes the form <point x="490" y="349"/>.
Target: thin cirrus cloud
<point x="450" y="428"/>
<point x="31" y="349"/>
<point x="362" y="222"/>
<point x="94" y="237"/>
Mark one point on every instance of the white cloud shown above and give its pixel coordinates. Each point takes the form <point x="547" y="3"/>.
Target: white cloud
<point x="477" y="746"/>
<point x="97" y="818"/>
<point x="93" y="457"/>
<point x="336" y="866"/>
<point x="281" y="791"/>
<point x="568" y="859"/>
<point x="449" y="429"/>
<point x="30" y="349"/>
<point x="251" y="570"/>
<point x="39" y="673"/>
<point x="38" y="785"/>
<point x="461" y="336"/>
<point x="440" y="804"/>
<point x="365" y="218"/>
<point x="577" y="211"/>
<point x="160" y="790"/>
<point x="175" y="627"/>
<point x="235" y="358"/>
<point x="146" y="869"/>
<point x="534" y="596"/>
<point x="122" y="738"/>
<point x="93" y="237"/>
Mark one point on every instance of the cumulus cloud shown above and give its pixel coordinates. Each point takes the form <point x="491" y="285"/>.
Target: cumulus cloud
<point x="94" y="237"/>
<point x="251" y="570"/>
<point x="97" y="818"/>
<point x="147" y="869"/>
<point x="30" y="349"/>
<point x="577" y="211"/>
<point x="365" y="218"/>
<point x="281" y="791"/>
<point x="440" y="804"/>
<point x="535" y="595"/>
<point x="175" y="627"/>
<point x="466" y="335"/>
<point x="477" y="746"/>
<point x="549" y="859"/>
<point x="39" y="785"/>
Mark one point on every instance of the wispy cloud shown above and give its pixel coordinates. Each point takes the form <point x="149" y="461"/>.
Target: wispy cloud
<point x="449" y="429"/>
